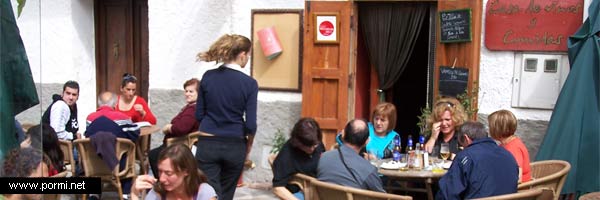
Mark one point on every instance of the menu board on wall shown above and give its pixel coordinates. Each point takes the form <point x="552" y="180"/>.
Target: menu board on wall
<point x="453" y="81"/>
<point x="455" y="25"/>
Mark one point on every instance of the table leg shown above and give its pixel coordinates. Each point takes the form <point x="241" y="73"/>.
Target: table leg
<point x="428" y="183"/>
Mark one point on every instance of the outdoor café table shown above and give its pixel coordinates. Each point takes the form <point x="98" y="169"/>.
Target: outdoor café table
<point x="143" y="146"/>
<point x="425" y="176"/>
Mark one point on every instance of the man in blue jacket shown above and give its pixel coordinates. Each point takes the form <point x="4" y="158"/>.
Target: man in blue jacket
<point x="482" y="169"/>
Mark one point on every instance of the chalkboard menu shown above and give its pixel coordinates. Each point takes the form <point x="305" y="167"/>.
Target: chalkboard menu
<point x="453" y="81"/>
<point x="455" y="25"/>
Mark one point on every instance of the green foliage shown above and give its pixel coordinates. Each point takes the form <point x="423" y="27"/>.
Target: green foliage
<point x="20" y="5"/>
<point x="422" y="124"/>
<point x="278" y="141"/>
<point x="467" y="100"/>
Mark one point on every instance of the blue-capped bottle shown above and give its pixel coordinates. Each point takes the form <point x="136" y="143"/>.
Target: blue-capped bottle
<point x="396" y="155"/>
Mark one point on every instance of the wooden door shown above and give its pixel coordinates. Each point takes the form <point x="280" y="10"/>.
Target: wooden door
<point x="326" y="68"/>
<point x="121" y="43"/>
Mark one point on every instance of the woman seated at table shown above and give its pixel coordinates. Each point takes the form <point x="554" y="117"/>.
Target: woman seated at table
<point x="132" y="105"/>
<point x="503" y="125"/>
<point x="446" y="115"/>
<point x="381" y="131"/>
<point x="300" y="154"/>
<point x="179" y="178"/>
<point x="182" y="124"/>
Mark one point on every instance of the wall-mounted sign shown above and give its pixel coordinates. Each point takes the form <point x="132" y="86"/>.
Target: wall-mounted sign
<point x="455" y="25"/>
<point x="326" y="25"/>
<point x="453" y="81"/>
<point x="531" y="25"/>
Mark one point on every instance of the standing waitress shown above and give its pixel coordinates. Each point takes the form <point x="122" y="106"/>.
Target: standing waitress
<point x="226" y="109"/>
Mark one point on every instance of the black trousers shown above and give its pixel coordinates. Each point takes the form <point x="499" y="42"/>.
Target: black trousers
<point x="222" y="160"/>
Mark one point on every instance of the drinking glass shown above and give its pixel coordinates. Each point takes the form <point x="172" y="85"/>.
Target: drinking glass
<point x="373" y="157"/>
<point x="445" y="150"/>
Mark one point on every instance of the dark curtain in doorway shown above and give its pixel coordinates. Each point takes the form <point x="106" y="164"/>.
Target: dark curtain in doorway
<point x="390" y="32"/>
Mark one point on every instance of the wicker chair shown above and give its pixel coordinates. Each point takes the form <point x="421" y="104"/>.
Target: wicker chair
<point x="189" y="139"/>
<point x="550" y="174"/>
<point x="533" y="194"/>
<point x="94" y="166"/>
<point x="325" y="191"/>
<point x="67" y="148"/>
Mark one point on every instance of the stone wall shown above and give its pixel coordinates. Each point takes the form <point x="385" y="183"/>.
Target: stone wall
<point x="33" y="115"/>
<point x="272" y="116"/>
<point x="532" y="133"/>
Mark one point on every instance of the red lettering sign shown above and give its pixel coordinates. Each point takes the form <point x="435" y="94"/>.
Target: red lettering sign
<point x="531" y="25"/>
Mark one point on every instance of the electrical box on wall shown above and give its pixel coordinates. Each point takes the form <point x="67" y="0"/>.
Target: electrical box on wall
<point x="537" y="79"/>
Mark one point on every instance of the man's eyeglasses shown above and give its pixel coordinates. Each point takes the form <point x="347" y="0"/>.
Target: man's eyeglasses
<point x="445" y="102"/>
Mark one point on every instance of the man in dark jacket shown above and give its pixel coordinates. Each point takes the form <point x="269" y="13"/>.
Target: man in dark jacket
<point x="482" y="169"/>
<point x="61" y="115"/>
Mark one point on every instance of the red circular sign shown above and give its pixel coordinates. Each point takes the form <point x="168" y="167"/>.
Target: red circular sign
<point x="326" y="28"/>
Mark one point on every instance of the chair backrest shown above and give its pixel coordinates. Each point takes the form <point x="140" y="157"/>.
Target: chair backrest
<point x="533" y="194"/>
<point x="550" y="174"/>
<point x="67" y="148"/>
<point x="55" y="196"/>
<point x="326" y="191"/>
<point x="189" y="139"/>
<point x="94" y="166"/>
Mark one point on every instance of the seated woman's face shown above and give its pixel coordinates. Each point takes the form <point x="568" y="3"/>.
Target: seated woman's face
<point x="128" y="92"/>
<point x="447" y="125"/>
<point x="168" y="177"/>
<point x="381" y="124"/>
<point x="191" y="95"/>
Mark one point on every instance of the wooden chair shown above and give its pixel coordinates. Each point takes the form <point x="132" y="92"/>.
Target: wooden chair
<point x="325" y="191"/>
<point x="94" y="166"/>
<point x="550" y="174"/>
<point x="189" y="139"/>
<point x="67" y="148"/>
<point x="533" y="194"/>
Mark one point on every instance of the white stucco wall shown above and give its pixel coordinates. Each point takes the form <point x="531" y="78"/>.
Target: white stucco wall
<point x="495" y="81"/>
<point x="59" y="40"/>
<point x="179" y="31"/>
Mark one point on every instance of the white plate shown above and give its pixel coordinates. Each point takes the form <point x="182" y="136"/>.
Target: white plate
<point x="392" y="165"/>
<point x="143" y="124"/>
<point x="447" y="164"/>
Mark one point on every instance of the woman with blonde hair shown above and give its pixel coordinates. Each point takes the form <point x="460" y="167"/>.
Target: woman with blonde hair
<point x="503" y="125"/>
<point x="447" y="114"/>
<point x="226" y="110"/>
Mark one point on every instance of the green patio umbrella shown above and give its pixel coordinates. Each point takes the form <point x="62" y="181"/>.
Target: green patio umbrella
<point x="574" y="128"/>
<point x="17" y="90"/>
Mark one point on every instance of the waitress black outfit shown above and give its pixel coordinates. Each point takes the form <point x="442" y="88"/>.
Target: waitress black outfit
<point x="226" y="108"/>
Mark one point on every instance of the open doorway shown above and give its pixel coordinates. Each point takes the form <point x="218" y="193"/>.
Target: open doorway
<point x="412" y="91"/>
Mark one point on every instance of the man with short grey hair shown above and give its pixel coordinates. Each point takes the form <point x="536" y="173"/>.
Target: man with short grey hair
<point x="482" y="169"/>
<point x="106" y="104"/>
<point x="344" y="166"/>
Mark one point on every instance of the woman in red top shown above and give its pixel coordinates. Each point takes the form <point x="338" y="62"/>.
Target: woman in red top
<point x="503" y="125"/>
<point x="132" y="105"/>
